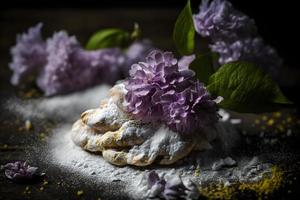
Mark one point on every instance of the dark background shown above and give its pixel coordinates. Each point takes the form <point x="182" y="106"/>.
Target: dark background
<point x="277" y="22"/>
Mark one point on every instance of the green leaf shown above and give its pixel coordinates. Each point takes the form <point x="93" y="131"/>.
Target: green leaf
<point x="246" y="88"/>
<point x="184" y="31"/>
<point x="203" y="67"/>
<point x="108" y="38"/>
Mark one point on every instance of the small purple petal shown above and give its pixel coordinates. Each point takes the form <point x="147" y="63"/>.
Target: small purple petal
<point x="20" y="171"/>
<point x="153" y="178"/>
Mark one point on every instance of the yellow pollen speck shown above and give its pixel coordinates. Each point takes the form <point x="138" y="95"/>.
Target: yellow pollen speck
<point x="257" y="121"/>
<point x="277" y="114"/>
<point x="270" y="122"/>
<point x="79" y="193"/>
<point x="264" y="118"/>
<point x="289" y="119"/>
<point x="263" y="188"/>
<point x="42" y="136"/>
<point x="197" y="171"/>
<point x="280" y="127"/>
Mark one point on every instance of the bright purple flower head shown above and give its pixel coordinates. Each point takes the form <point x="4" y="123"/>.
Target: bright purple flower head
<point x="217" y="18"/>
<point x="20" y="171"/>
<point x="28" y="55"/>
<point x="158" y="90"/>
<point x="152" y="79"/>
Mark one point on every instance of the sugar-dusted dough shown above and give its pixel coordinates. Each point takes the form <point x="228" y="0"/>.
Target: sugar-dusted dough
<point x="127" y="141"/>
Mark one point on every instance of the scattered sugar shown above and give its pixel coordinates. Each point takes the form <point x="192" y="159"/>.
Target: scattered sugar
<point x="61" y="152"/>
<point x="68" y="107"/>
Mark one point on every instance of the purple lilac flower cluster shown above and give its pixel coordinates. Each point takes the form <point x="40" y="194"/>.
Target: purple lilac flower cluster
<point x="60" y="65"/>
<point x="20" y="171"/>
<point x="158" y="90"/>
<point x="71" y="68"/>
<point x="29" y="55"/>
<point x="234" y="36"/>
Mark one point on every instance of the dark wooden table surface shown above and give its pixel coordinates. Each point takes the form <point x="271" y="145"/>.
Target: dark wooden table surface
<point x="157" y="24"/>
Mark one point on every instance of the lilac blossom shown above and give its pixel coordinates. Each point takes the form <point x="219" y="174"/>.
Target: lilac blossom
<point x="218" y="18"/>
<point x="249" y="49"/>
<point x="190" y="109"/>
<point x="158" y="90"/>
<point x="233" y="35"/>
<point x="20" y="171"/>
<point x="60" y="65"/>
<point x="29" y="55"/>
<point x="150" y="80"/>
<point x="70" y="68"/>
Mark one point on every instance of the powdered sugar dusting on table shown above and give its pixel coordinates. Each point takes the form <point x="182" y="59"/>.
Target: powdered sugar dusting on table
<point x="61" y="152"/>
<point x="69" y="107"/>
